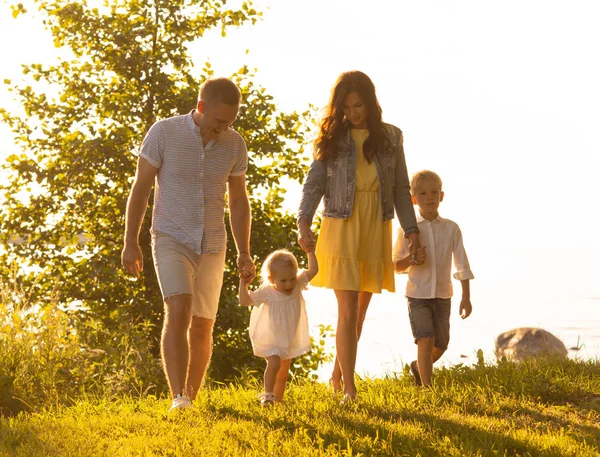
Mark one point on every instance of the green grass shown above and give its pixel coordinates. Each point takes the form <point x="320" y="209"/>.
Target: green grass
<point x="544" y="407"/>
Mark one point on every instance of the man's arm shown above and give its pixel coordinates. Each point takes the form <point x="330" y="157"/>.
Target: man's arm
<point x="239" y="215"/>
<point x="131" y="256"/>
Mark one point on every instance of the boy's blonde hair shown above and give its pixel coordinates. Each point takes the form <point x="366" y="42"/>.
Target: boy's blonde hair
<point x="281" y="257"/>
<point x="424" y="175"/>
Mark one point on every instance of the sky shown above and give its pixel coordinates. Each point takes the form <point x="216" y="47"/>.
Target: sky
<point x="501" y="99"/>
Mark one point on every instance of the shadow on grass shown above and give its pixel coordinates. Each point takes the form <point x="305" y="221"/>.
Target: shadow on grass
<point x="13" y="439"/>
<point x="589" y="433"/>
<point x="469" y="439"/>
<point x="351" y="431"/>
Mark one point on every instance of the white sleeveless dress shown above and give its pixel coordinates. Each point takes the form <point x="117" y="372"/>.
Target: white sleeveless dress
<point x="278" y="323"/>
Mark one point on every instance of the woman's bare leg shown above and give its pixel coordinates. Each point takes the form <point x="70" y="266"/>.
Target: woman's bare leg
<point x="364" y="298"/>
<point x="346" y="339"/>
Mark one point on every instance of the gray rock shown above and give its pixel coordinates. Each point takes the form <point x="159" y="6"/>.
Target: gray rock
<point x="524" y="342"/>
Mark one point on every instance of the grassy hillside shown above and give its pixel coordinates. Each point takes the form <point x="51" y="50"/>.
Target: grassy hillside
<point x="548" y="408"/>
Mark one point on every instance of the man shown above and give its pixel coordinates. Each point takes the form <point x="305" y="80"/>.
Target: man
<point x="194" y="160"/>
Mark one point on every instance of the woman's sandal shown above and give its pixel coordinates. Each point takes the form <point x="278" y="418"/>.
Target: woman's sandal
<point x="267" y="399"/>
<point x="347" y="399"/>
<point x="336" y="388"/>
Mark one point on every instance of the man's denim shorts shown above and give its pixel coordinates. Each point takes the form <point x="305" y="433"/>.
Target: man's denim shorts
<point x="430" y="318"/>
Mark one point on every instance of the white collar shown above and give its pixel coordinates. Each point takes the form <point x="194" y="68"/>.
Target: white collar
<point x="422" y="219"/>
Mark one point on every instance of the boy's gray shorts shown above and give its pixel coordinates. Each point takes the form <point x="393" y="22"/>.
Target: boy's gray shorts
<point x="430" y="318"/>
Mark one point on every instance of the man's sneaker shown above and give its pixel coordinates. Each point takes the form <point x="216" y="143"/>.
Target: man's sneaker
<point x="267" y="399"/>
<point x="414" y="369"/>
<point x="180" y="402"/>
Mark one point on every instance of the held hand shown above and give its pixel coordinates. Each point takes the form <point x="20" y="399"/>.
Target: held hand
<point x="306" y="239"/>
<point x="246" y="268"/>
<point x="465" y="308"/>
<point x="417" y="252"/>
<point x="419" y="259"/>
<point x="398" y="266"/>
<point x="132" y="259"/>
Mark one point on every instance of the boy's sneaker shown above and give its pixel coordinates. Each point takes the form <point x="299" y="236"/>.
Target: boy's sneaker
<point x="180" y="402"/>
<point x="267" y="399"/>
<point x="414" y="369"/>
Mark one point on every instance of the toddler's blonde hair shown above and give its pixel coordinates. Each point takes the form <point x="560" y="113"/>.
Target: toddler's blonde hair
<point x="424" y="175"/>
<point x="279" y="258"/>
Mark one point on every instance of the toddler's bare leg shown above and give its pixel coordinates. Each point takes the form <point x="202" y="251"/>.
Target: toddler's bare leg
<point x="273" y="363"/>
<point x="281" y="379"/>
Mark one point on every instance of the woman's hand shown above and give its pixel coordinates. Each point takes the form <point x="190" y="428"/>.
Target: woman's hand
<point x="307" y="241"/>
<point x="306" y="237"/>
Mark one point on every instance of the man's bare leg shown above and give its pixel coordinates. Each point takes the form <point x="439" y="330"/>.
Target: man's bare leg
<point x="200" y="344"/>
<point x="174" y="343"/>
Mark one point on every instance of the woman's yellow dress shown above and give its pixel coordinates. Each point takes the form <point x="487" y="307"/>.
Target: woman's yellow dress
<point x="356" y="253"/>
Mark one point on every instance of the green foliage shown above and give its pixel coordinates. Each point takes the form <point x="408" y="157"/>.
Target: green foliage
<point x="468" y="412"/>
<point x="48" y="357"/>
<point x="84" y="118"/>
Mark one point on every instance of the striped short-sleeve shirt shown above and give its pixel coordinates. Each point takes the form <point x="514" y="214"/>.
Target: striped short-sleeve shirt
<point x="189" y="192"/>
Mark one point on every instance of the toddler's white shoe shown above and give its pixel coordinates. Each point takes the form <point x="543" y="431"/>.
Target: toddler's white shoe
<point x="180" y="402"/>
<point x="267" y="399"/>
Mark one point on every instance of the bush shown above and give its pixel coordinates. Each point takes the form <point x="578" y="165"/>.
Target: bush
<point x="52" y="355"/>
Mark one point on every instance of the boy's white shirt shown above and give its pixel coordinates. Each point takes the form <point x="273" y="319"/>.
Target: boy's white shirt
<point x="442" y="239"/>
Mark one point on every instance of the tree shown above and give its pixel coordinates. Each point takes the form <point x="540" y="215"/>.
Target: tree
<point x="129" y="67"/>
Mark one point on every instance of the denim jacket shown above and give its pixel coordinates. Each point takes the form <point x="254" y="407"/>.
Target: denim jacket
<point x="334" y="180"/>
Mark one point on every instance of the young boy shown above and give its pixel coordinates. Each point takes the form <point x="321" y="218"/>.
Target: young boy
<point x="429" y="286"/>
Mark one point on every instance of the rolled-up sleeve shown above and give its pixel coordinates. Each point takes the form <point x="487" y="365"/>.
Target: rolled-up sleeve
<point x="312" y="190"/>
<point x="153" y="146"/>
<point x="461" y="262"/>
<point x="241" y="164"/>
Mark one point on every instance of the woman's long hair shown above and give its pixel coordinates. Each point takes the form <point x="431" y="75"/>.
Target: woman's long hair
<point x="334" y="126"/>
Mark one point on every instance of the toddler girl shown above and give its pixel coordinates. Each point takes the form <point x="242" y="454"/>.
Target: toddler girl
<point x="278" y="323"/>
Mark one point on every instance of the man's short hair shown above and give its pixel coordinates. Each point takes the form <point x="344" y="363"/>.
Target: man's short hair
<point x="424" y="175"/>
<point x="220" y="90"/>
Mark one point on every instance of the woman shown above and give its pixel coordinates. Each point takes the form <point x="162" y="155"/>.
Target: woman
<point x="360" y="170"/>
